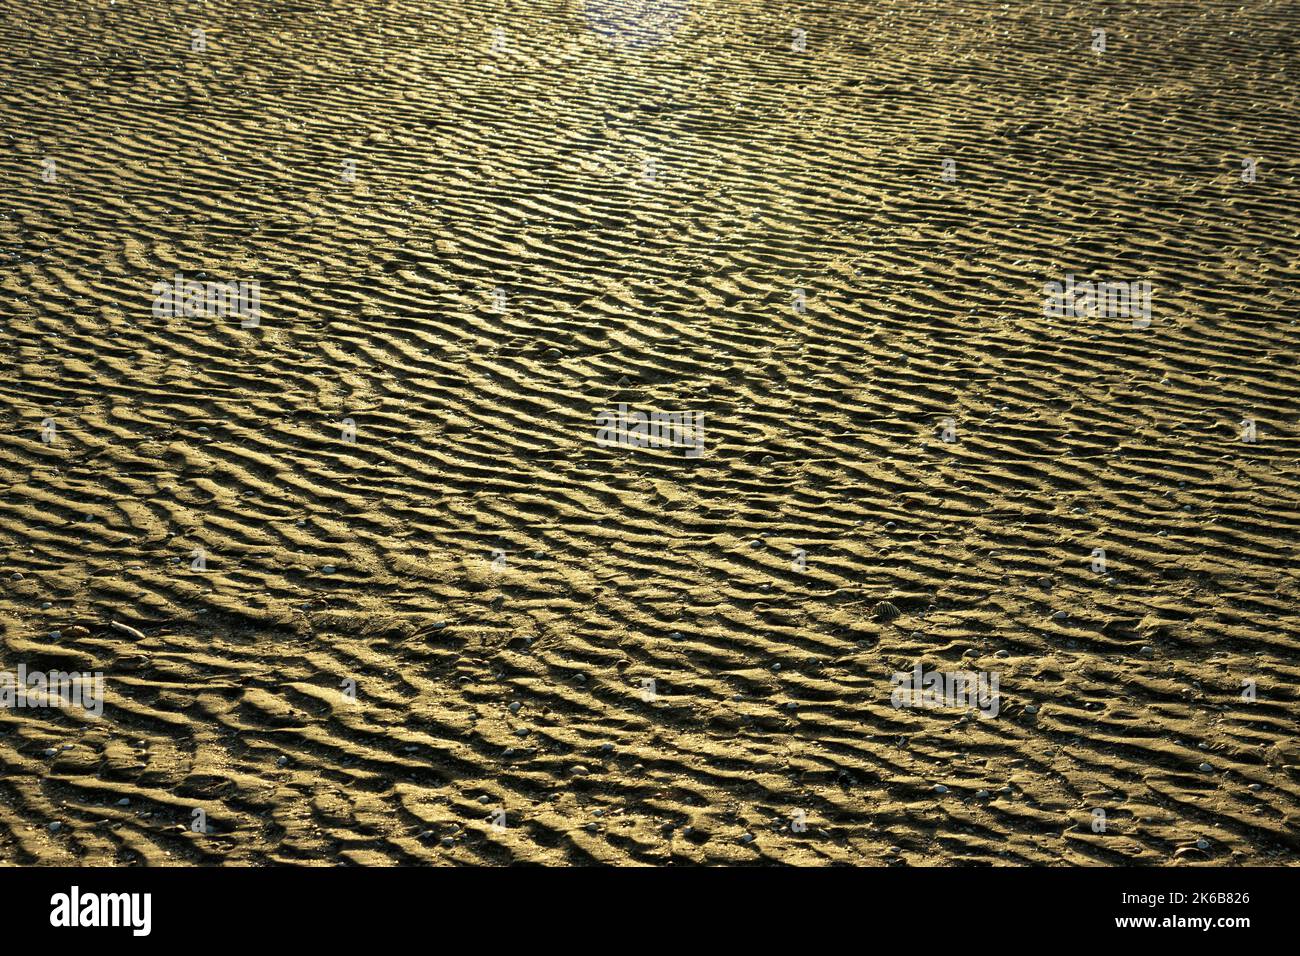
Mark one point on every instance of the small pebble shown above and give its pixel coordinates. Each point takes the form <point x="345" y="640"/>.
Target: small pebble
<point x="940" y="788"/>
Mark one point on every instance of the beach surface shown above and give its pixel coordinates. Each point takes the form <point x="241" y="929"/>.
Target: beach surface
<point x="365" y="584"/>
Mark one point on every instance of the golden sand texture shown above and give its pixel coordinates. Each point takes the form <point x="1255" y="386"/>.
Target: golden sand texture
<point x="565" y="652"/>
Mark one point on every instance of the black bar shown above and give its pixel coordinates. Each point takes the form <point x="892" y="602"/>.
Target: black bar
<point x="333" y="905"/>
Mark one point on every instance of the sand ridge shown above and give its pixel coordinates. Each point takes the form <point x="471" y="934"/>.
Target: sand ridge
<point x="546" y="222"/>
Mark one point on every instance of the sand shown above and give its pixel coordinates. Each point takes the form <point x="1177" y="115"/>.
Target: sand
<point x="394" y="604"/>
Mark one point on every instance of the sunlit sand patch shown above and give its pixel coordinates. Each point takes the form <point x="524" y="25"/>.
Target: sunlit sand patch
<point x="636" y="24"/>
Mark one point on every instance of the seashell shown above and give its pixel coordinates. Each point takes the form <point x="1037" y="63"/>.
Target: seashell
<point x="885" y="612"/>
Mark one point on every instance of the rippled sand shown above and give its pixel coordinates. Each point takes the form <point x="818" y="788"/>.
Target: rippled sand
<point x="476" y="225"/>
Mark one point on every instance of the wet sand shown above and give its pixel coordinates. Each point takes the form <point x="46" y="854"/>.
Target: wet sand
<point x="476" y="225"/>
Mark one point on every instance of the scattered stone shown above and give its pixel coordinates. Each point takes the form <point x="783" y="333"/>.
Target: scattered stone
<point x="515" y="706"/>
<point x="982" y="794"/>
<point x="940" y="788"/>
<point x="328" y="569"/>
<point x="55" y="827"/>
<point x="124" y="802"/>
<point x="578" y="770"/>
<point x="1205" y="768"/>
